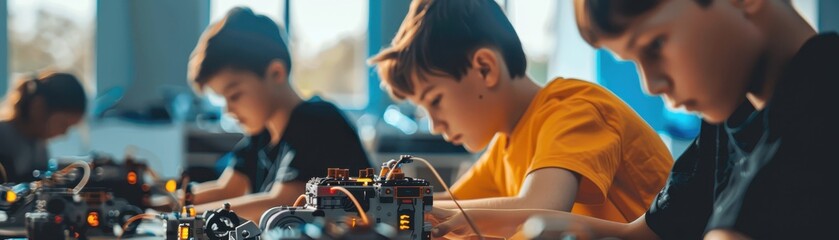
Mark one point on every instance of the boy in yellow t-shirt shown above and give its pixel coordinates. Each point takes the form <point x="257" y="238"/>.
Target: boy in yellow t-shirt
<point x="578" y="127"/>
<point x="570" y="146"/>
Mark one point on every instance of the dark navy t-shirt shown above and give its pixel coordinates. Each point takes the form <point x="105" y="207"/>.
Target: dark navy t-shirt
<point x="317" y="137"/>
<point x="767" y="174"/>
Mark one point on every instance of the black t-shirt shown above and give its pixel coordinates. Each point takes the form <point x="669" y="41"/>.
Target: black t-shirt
<point x="768" y="174"/>
<point x="317" y="137"/>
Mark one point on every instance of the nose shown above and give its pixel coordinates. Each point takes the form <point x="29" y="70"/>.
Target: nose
<point x="653" y="81"/>
<point x="436" y="125"/>
<point x="230" y="110"/>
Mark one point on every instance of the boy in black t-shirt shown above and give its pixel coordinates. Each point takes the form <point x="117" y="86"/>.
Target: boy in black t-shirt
<point x="245" y="59"/>
<point x="763" y="82"/>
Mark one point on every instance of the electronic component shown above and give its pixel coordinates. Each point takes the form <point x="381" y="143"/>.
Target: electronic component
<point x="220" y="224"/>
<point x="126" y="180"/>
<point x="324" y="230"/>
<point x="59" y="213"/>
<point x="15" y="201"/>
<point x="399" y="202"/>
<point x="51" y="209"/>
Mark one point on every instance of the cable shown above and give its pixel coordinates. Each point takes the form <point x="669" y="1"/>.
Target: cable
<point x="131" y="150"/>
<point x="3" y="173"/>
<point x="153" y="174"/>
<point x="85" y="176"/>
<point x="184" y="182"/>
<point x="354" y="201"/>
<point x="393" y="167"/>
<point x="135" y="218"/>
<point x="299" y="200"/>
<point x="156" y="178"/>
<point x="174" y="199"/>
<point x="465" y="216"/>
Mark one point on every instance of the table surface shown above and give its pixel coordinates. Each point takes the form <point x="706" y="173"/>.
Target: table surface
<point x="147" y="230"/>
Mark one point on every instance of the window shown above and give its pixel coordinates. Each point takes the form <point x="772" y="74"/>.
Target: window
<point x="809" y="10"/>
<point x="329" y="49"/>
<point x="535" y="23"/>
<point x="54" y="35"/>
<point x="328" y="44"/>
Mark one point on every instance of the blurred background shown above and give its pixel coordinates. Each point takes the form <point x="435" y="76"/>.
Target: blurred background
<point x="132" y="58"/>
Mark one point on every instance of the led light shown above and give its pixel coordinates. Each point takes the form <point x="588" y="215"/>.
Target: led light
<point x="183" y="232"/>
<point x="132" y="177"/>
<point x="404" y="222"/>
<point x="11" y="197"/>
<point x="188" y="211"/>
<point x="171" y="186"/>
<point x="93" y="219"/>
<point x="364" y="180"/>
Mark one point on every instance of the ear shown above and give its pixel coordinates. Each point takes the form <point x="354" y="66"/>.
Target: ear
<point x="277" y="72"/>
<point x="749" y="7"/>
<point x="486" y="62"/>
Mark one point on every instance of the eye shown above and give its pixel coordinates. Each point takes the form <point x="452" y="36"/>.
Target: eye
<point x="653" y="49"/>
<point x="436" y="101"/>
<point x="234" y="97"/>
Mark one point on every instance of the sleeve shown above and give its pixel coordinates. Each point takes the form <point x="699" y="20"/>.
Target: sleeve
<point x="245" y="154"/>
<point x="682" y="208"/>
<point x="241" y="158"/>
<point x="576" y="137"/>
<point x="478" y="181"/>
<point x="244" y="161"/>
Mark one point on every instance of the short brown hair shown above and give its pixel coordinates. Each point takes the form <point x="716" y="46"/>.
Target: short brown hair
<point x="439" y="37"/>
<point x="610" y="18"/>
<point x="242" y="41"/>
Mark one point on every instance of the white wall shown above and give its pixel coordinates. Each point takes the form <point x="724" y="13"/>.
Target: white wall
<point x="573" y="57"/>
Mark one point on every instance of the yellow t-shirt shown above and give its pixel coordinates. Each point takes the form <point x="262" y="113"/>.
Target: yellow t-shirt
<point x="583" y="128"/>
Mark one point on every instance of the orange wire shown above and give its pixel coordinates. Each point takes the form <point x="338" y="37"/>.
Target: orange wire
<point x="468" y="220"/>
<point x="354" y="201"/>
<point x="135" y="218"/>
<point x="299" y="200"/>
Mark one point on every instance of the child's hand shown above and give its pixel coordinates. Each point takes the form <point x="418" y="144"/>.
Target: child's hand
<point x="449" y="223"/>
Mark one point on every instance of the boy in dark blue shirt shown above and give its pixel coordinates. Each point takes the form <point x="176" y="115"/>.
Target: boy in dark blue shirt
<point x="245" y="59"/>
